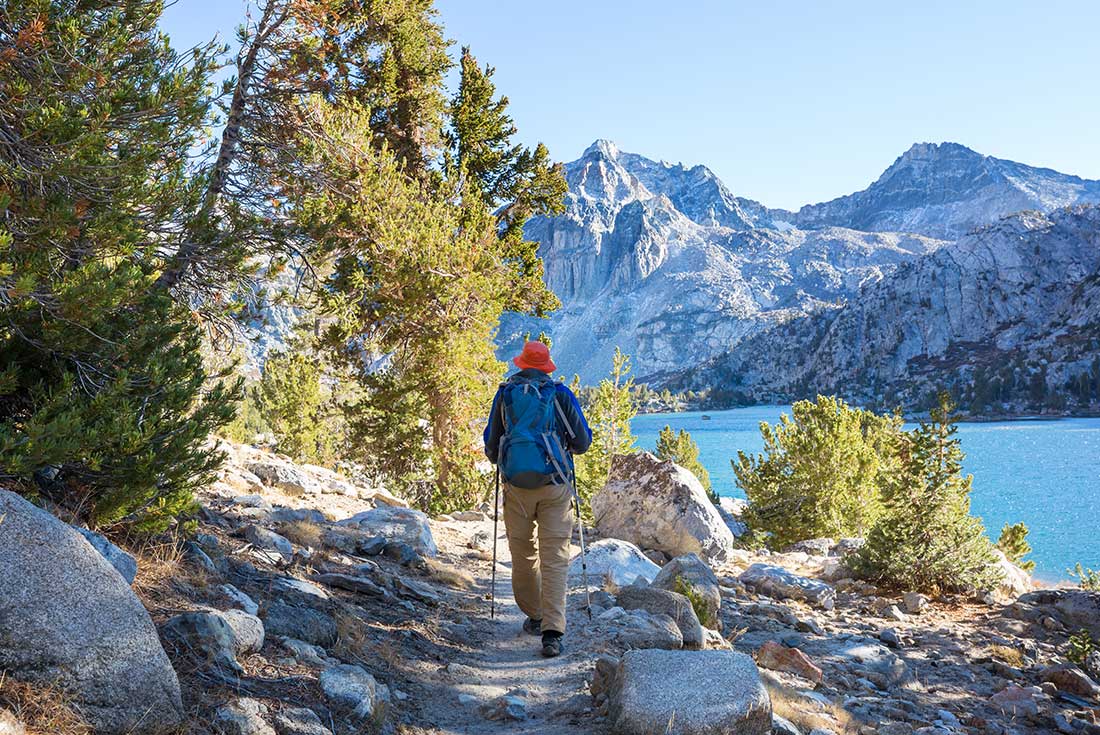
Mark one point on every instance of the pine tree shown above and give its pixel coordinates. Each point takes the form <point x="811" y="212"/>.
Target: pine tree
<point x="295" y="403"/>
<point x="609" y="410"/>
<point x="681" y="449"/>
<point x="926" y="539"/>
<point x="1013" y="542"/>
<point x="820" y="471"/>
<point x="103" y="395"/>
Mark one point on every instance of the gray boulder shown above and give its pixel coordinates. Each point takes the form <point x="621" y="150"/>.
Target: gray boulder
<point x="619" y="562"/>
<point x="284" y="476"/>
<point x="301" y="623"/>
<point x="692" y="571"/>
<point x="663" y="602"/>
<point x="688" y="693"/>
<point x="263" y="538"/>
<point x="1076" y="609"/>
<point x="638" y="629"/>
<point x="781" y="584"/>
<point x="352" y="691"/>
<point x="659" y="505"/>
<point x="69" y="619"/>
<point x="119" y="559"/>
<point x="243" y="717"/>
<point x="299" y="721"/>
<point x="205" y="637"/>
<point x="396" y="525"/>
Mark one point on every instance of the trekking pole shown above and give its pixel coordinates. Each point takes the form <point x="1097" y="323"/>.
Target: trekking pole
<point x="580" y="526"/>
<point x="496" y="516"/>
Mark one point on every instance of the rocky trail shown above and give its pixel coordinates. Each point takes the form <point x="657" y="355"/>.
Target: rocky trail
<point x="307" y="603"/>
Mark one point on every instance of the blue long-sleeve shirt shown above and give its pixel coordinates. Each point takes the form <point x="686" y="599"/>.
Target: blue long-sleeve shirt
<point x="576" y="441"/>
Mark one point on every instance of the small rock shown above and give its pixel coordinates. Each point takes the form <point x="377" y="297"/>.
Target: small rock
<point x="914" y="602"/>
<point x="359" y="585"/>
<point x="659" y="558"/>
<point x="350" y="689"/>
<point x="508" y="708"/>
<point x="890" y="637"/>
<point x="195" y="554"/>
<point x="302" y="623"/>
<point x="468" y="515"/>
<point x="893" y="612"/>
<point x="467" y="700"/>
<point x="282" y="476"/>
<point x="10" y="724"/>
<point x="299" y="721"/>
<point x="402" y="553"/>
<point x="782" y="726"/>
<point x="268" y="540"/>
<point x="305" y="653"/>
<point x="402" y="525"/>
<point x="1016" y="701"/>
<point x="778" y="657"/>
<point x="300" y="587"/>
<point x="1068" y="678"/>
<point x="243" y="717"/>
<point x="481" y="540"/>
<point x="238" y="598"/>
<point x="463" y="673"/>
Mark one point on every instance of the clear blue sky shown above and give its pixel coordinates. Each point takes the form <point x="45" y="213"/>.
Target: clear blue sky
<point x="789" y="102"/>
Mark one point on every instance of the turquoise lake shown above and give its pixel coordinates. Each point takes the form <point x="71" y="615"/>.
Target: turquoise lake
<point x="1044" y="473"/>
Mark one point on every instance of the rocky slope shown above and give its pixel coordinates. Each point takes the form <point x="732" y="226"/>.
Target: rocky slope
<point x="305" y="604"/>
<point x="1009" y="314"/>
<point x="665" y="263"/>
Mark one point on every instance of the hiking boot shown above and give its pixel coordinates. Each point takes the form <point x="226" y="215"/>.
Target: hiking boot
<point x="532" y="626"/>
<point x="551" y="644"/>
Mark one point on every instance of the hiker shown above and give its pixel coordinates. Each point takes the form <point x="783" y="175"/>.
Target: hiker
<point x="535" y="427"/>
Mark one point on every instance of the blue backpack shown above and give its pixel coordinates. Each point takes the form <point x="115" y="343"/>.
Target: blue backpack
<point x="531" y="454"/>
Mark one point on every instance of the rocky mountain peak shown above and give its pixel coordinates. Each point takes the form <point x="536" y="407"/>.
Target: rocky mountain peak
<point x="601" y="147"/>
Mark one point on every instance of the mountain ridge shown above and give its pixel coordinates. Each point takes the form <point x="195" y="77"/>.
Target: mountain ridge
<point x="666" y="262"/>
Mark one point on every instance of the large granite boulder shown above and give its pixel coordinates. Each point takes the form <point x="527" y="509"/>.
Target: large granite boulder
<point x="659" y="505"/>
<point x="688" y="693"/>
<point x="400" y="525"/>
<point x="68" y="618"/>
<point x="689" y="572"/>
<point x="614" y="561"/>
<point x="630" y="629"/>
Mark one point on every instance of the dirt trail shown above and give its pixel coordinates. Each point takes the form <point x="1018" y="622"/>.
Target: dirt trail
<point x="500" y="658"/>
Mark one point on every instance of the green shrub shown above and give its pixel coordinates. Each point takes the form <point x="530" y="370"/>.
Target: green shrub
<point x="1087" y="579"/>
<point x="1080" y="646"/>
<point x="249" y="421"/>
<point x="697" y="600"/>
<point x="820" y="471"/>
<point x="926" y="539"/>
<point x="1013" y="542"/>
<point x="681" y="449"/>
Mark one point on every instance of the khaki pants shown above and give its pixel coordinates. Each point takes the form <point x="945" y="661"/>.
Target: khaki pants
<point x="539" y="567"/>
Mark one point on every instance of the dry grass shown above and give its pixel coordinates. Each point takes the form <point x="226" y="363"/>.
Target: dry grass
<point x="45" y="710"/>
<point x="1008" y="655"/>
<point x="163" y="578"/>
<point x="446" y="574"/>
<point x="303" y="533"/>
<point x="353" y="638"/>
<point x="807" y="713"/>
